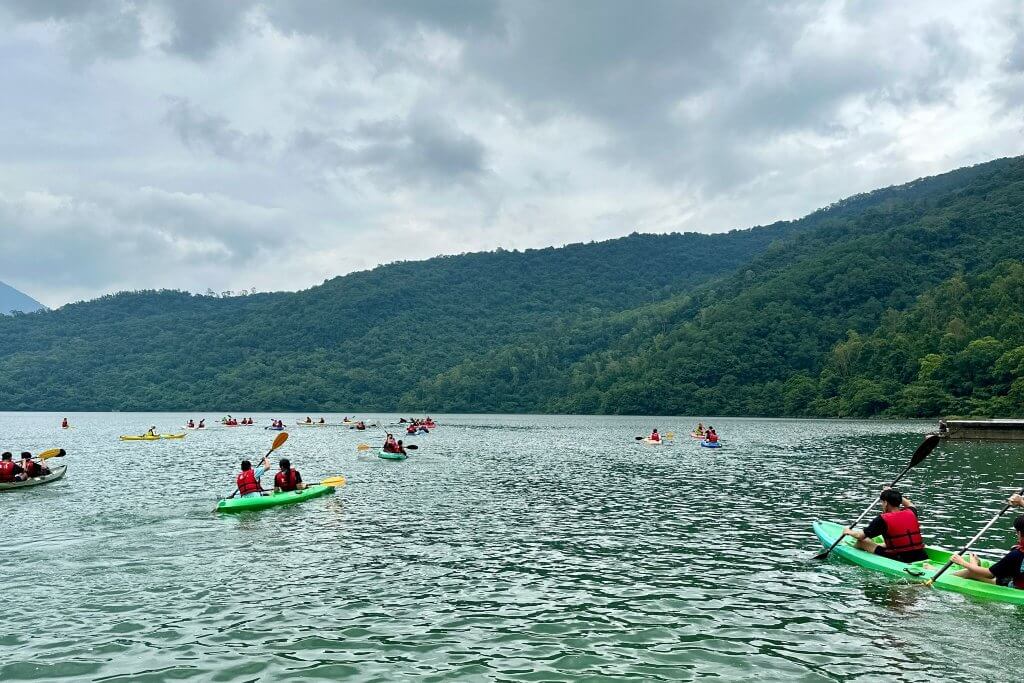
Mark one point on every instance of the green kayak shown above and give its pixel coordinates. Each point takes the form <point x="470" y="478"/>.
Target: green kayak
<point x="917" y="572"/>
<point x="273" y="500"/>
<point x="391" y="456"/>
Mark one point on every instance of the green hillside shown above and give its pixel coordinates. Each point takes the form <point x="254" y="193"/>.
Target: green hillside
<point x="844" y="312"/>
<point x="358" y="341"/>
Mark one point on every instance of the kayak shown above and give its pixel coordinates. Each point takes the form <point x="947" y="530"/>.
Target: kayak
<point x="384" y="455"/>
<point x="828" y="532"/>
<point x="55" y="474"/>
<point x="136" y="437"/>
<point x="276" y="429"/>
<point x="651" y="442"/>
<point x="315" y="424"/>
<point x="695" y="435"/>
<point x="273" y="500"/>
<point x="708" y="444"/>
<point x="187" y="427"/>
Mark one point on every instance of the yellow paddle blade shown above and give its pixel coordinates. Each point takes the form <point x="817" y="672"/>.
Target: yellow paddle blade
<point x="670" y="435"/>
<point x="52" y="453"/>
<point x="279" y="441"/>
<point x="363" y="447"/>
<point x="333" y="481"/>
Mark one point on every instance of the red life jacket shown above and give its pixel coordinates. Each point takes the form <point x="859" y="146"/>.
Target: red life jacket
<point x="655" y="437"/>
<point x="286" y="481"/>
<point x="712" y="438"/>
<point x="902" y="532"/>
<point x="6" y="470"/>
<point x="410" y="430"/>
<point x="32" y="469"/>
<point x="247" y="483"/>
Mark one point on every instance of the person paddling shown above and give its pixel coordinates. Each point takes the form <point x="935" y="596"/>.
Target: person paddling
<point x="711" y="435"/>
<point x="151" y="431"/>
<point x="191" y="424"/>
<point x="64" y="423"/>
<point x="699" y="431"/>
<point x="31" y="467"/>
<point x="1009" y="570"/>
<point x="202" y="424"/>
<point x="390" y="445"/>
<point x="10" y="470"/>
<point x="655" y="436"/>
<point x="287" y="478"/>
<point x="248" y="480"/>
<point x="897" y="525"/>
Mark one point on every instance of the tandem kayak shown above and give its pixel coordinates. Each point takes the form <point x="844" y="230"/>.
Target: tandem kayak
<point x="136" y="437"/>
<point x="316" y="424"/>
<point x="708" y="444"/>
<point x="55" y="474"/>
<point x="828" y="532"/>
<point x="273" y="500"/>
<point x="384" y="455"/>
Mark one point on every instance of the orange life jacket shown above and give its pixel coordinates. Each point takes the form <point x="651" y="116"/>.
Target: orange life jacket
<point x="247" y="483"/>
<point x="902" y="532"/>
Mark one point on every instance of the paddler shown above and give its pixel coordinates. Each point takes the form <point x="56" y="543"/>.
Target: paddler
<point x="287" y="479"/>
<point x="390" y="445"/>
<point x="411" y="429"/>
<point x="322" y="421"/>
<point x="10" y="470"/>
<point x="191" y="424"/>
<point x="202" y="424"/>
<point x="711" y="435"/>
<point x="248" y="480"/>
<point x="31" y="467"/>
<point x="897" y="525"/>
<point x="1008" y="571"/>
<point x="151" y="431"/>
<point x="699" y="431"/>
<point x="64" y="423"/>
<point x="655" y="436"/>
<point x="309" y="420"/>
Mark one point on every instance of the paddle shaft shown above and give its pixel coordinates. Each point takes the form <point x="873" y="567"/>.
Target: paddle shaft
<point x="972" y="541"/>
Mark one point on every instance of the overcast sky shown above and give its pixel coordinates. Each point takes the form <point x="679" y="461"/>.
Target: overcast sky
<point x="204" y="144"/>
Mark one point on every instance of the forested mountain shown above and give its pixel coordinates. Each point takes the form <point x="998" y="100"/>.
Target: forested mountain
<point x="848" y="311"/>
<point x="11" y="300"/>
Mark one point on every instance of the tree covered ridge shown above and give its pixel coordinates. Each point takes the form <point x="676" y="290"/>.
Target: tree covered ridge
<point x="746" y="322"/>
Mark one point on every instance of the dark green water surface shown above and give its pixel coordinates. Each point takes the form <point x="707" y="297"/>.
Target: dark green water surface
<point x="512" y="548"/>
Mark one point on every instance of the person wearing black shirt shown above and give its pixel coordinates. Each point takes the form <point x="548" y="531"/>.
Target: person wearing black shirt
<point x="1009" y="571"/>
<point x="898" y="527"/>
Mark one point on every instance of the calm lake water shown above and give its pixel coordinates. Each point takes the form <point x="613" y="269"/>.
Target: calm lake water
<point x="507" y="548"/>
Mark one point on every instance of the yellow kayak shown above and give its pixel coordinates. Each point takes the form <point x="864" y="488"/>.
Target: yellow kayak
<point x="146" y="437"/>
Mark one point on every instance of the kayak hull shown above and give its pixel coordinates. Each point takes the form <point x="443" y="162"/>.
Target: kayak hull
<point x="828" y="532"/>
<point x="274" y="500"/>
<point x="158" y="437"/>
<point x="695" y="435"/>
<point x="708" y="444"/>
<point x="55" y="474"/>
<point x="384" y="455"/>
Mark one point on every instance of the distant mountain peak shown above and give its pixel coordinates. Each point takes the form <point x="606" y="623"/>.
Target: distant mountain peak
<point x="12" y="300"/>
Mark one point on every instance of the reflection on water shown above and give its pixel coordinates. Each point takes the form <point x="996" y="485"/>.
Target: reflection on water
<point x="507" y="548"/>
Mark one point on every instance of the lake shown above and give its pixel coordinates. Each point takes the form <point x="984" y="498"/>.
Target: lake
<point x="513" y="548"/>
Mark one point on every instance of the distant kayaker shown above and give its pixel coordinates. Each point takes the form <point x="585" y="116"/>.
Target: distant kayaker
<point x="699" y="431"/>
<point x="309" y="420"/>
<point x="248" y="480"/>
<point x="202" y="424"/>
<point x="31" y="467"/>
<point x="1008" y="571"/>
<point x="191" y="424"/>
<point x="322" y="421"/>
<point x="287" y="478"/>
<point x="64" y="423"/>
<point x="411" y="429"/>
<point x="655" y="436"/>
<point x="897" y="525"/>
<point x="151" y="431"/>
<point x="711" y="435"/>
<point x="390" y="445"/>
<point x="360" y="425"/>
<point x="10" y="470"/>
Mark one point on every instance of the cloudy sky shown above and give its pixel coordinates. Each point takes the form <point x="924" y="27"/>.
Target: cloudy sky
<point x="205" y="144"/>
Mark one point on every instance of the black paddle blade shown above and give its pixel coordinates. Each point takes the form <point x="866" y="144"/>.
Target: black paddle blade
<point x="926" y="447"/>
<point x="412" y="447"/>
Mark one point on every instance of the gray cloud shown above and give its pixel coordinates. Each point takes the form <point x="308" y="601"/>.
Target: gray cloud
<point x="188" y="126"/>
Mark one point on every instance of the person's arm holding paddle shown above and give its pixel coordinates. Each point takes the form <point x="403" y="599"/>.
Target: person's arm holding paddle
<point x="1006" y="568"/>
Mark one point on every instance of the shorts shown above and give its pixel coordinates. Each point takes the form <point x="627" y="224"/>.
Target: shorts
<point x="908" y="557"/>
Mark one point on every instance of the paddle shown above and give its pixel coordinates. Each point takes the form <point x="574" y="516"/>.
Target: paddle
<point x="926" y="447"/>
<point x="936" y="575"/>
<point x="278" y="442"/>
<point x="408" y="447"/>
<point x="52" y="453"/>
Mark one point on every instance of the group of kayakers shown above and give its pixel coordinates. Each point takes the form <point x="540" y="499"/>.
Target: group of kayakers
<point x="26" y="468"/>
<point x="191" y="424"/>
<point x="309" y="421"/>
<point x="707" y="433"/>
<point x="247" y="483"/>
<point x="427" y="422"/>
<point x="233" y="422"/>
<point x="392" y="446"/>
<point x="902" y="540"/>
<point x="276" y="424"/>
